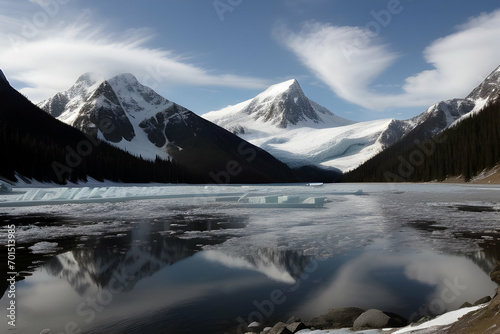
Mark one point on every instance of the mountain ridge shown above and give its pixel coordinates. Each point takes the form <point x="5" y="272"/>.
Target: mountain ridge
<point x="39" y="147"/>
<point x="3" y="78"/>
<point x="344" y="146"/>
<point x="136" y="119"/>
<point x="463" y="151"/>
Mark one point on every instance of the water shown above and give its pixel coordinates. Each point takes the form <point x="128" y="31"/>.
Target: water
<point x="194" y="264"/>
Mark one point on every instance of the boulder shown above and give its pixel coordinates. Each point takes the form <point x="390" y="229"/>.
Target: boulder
<point x="375" y="319"/>
<point x="296" y="326"/>
<point x="495" y="275"/>
<point x="293" y="319"/>
<point x="336" y="318"/>
<point x="466" y="304"/>
<point x="280" y="328"/>
<point x="483" y="300"/>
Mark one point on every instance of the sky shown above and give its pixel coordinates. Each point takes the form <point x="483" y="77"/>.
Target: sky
<point x="362" y="59"/>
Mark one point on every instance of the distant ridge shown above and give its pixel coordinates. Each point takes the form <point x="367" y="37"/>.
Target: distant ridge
<point x="467" y="147"/>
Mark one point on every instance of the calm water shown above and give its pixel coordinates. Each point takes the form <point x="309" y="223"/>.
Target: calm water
<point x="197" y="265"/>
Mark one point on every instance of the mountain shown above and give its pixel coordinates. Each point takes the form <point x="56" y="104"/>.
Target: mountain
<point x="112" y="110"/>
<point x="3" y="79"/>
<point x="444" y="114"/>
<point x="34" y="145"/>
<point x="281" y="106"/>
<point x="488" y="89"/>
<point x="136" y="119"/>
<point x="299" y="132"/>
<point x="469" y="146"/>
<point x="465" y="150"/>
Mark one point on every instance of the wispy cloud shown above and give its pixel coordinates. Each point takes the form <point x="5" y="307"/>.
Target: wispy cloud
<point x="48" y="55"/>
<point x="349" y="62"/>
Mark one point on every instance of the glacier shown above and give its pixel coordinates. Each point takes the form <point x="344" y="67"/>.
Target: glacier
<point x="300" y="132"/>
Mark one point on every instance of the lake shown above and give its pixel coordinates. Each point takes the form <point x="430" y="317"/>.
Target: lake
<point x="211" y="259"/>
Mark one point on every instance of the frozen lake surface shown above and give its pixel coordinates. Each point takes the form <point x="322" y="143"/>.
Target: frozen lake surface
<point x="207" y="259"/>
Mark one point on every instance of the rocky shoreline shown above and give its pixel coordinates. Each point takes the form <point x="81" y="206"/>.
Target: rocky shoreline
<point x="485" y="320"/>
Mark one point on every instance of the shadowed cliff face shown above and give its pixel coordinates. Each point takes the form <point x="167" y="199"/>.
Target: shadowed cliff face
<point x="109" y="117"/>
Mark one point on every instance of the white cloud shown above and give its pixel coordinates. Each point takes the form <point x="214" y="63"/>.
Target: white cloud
<point x="349" y="59"/>
<point x="48" y="56"/>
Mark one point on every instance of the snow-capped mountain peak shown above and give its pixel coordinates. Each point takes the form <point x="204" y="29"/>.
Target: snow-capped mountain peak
<point x="290" y="87"/>
<point x="282" y="104"/>
<point x="488" y="87"/>
<point x="85" y="84"/>
<point x="280" y="121"/>
<point x="487" y="92"/>
<point x="136" y="97"/>
<point x="136" y="119"/>
<point x="69" y="102"/>
<point x="121" y="102"/>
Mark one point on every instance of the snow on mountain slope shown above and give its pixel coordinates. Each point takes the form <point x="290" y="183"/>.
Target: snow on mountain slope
<point x="281" y="106"/>
<point x="114" y="108"/>
<point x="136" y="119"/>
<point x="485" y="93"/>
<point x="445" y="114"/>
<point x="300" y="132"/>
<point x="340" y="147"/>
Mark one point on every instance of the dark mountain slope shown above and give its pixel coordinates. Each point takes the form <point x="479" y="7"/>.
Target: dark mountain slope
<point x="35" y="145"/>
<point x="465" y="149"/>
<point x="143" y="123"/>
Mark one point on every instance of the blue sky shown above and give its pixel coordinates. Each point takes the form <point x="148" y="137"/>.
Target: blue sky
<point x="362" y="59"/>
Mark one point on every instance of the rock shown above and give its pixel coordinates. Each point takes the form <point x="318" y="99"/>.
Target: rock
<point x="280" y="328"/>
<point x="397" y="320"/>
<point x="293" y="319"/>
<point x="296" y="326"/>
<point x="266" y="330"/>
<point x="336" y="318"/>
<point x="483" y="300"/>
<point x="254" y="327"/>
<point x="483" y="321"/>
<point x="371" y="319"/>
<point x="375" y="319"/>
<point x="421" y="321"/>
<point x="466" y="304"/>
<point x="495" y="275"/>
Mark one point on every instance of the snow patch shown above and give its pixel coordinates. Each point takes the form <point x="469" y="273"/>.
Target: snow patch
<point x="442" y="320"/>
